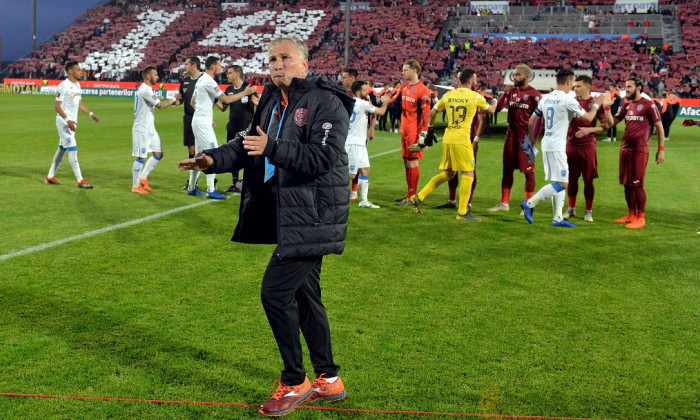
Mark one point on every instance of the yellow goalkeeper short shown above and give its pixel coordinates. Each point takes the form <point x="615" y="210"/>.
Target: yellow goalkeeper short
<point x="457" y="157"/>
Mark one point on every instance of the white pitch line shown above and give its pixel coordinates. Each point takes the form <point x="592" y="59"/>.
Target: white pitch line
<point x="384" y="153"/>
<point x="99" y="231"/>
<point x="119" y="226"/>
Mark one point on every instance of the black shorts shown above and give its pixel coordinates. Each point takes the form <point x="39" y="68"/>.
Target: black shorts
<point x="187" y="134"/>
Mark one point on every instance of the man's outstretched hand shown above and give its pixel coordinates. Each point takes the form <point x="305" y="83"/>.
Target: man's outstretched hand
<point x="199" y="163"/>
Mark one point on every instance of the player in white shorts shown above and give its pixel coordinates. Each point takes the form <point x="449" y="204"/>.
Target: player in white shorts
<point x="144" y="135"/>
<point x="356" y="143"/>
<point x="205" y="92"/>
<point x="68" y="102"/>
<point x="558" y="108"/>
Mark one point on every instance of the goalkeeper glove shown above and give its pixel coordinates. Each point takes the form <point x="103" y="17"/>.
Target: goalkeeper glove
<point x="430" y="138"/>
<point x="529" y="149"/>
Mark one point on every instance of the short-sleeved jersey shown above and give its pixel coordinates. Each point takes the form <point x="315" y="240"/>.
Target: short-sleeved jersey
<point x="461" y="106"/>
<point x="205" y="91"/>
<point x="144" y="101"/>
<point x="415" y="107"/>
<point x="589" y="141"/>
<point x="521" y="103"/>
<point x="240" y="112"/>
<point x="69" y="93"/>
<point x="186" y="91"/>
<point x="357" y="133"/>
<point x="639" y="117"/>
<point x="557" y="109"/>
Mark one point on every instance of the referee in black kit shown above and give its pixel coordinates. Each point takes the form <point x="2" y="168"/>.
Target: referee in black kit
<point x="241" y="110"/>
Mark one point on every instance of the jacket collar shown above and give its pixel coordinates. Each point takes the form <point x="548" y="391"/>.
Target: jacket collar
<point x="301" y="86"/>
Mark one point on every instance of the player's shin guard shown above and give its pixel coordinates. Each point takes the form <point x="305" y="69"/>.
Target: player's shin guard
<point x="544" y="193"/>
<point x="557" y="204"/>
<point x="465" y="189"/>
<point x="435" y="182"/>
<point x="453" y="184"/>
<point x="413" y="175"/>
<point x="193" y="180"/>
<point x="529" y="185"/>
<point x="73" y="160"/>
<point x="362" y="187"/>
<point x="136" y="172"/>
<point x="641" y="196"/>
<point x="151" y="163"/>
<point x="57" y="159"/>
<point x="210" y="182"/>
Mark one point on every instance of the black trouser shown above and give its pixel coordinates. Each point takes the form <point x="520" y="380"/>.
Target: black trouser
<point x="291" y="296"/>
<point x="230" y="135"/>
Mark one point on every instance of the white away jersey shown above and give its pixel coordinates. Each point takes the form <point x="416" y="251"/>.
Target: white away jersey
<point x="144" y="101"/>
<point x="558" y="108"/>
<point x="205" y="91"/>
<point x="357" y="133"/>
<point x="68" y="93"/>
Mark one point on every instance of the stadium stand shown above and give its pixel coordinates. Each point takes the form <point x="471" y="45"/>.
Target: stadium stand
<point x="115" y="41"/>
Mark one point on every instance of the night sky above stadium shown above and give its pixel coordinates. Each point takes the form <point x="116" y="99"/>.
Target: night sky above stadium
<point x="51" y="16"/>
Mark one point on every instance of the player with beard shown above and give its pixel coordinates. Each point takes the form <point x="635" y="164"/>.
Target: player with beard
<point x="521" y="101"/>
<point x="640" y="115"/>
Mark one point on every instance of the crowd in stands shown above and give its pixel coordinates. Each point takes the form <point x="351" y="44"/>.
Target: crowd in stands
<point x="115" y="41"/>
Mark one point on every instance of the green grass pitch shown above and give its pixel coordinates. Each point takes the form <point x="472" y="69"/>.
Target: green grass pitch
<point x="427" y="313"/>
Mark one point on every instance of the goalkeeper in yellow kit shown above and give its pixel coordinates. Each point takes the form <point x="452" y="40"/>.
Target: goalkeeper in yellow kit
<point x="460" y="106"/>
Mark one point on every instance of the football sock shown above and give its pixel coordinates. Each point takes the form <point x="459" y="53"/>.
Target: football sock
<point x="136" y="172"/>
<point x="73" y="160"/>
<point x="363" y="187"/>
<point x="57" y="159"/>
<point x="572" y="200"/>
<point x="471" y="193"/>
<point x="150" y="165"/>
<point x="641" y="196"/>
<point x="631" y="199"/>
<point x="414" y="174"/>
<point x="588" y="193"/>
<point x="529" y="185"/>
<point x="505" y="195"/>
<point x="331" y="380"/>
<point x="193" y="180"/>
<point x="453" y="184"/>
<point x="355" y="183"/>
<point x="589" y="204"/>
<point x="464" y="190"/>
<point x="210" y="182"/>
<point x="544" y="193"/>
<point x="557" y="204"/>
<point x="435" y="182"/>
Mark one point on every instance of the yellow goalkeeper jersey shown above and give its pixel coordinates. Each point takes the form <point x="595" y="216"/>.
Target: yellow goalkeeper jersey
<point x="460" y="105"/>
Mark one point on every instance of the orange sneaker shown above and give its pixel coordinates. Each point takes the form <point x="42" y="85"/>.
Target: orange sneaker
<point x="627" y="219"/>
<point x="637" y="223"/>
<point x="144" y="182"/>
<point x="326" y="391"/>
<point x="51" y="180"/>
<point x="285" y="398"/>
<point x="84" y="184"/>
<point x="139" y="190"/>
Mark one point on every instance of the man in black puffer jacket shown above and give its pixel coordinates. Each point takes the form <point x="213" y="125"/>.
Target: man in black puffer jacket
<point x="295" y="194"/>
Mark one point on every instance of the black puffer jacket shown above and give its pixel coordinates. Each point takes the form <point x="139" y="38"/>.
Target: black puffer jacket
<point x="304" y="208"/>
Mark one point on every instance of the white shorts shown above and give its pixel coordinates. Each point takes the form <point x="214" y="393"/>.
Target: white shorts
<point x="556" y="167"/>
<point x="66" y="137"/>
<point x="145" y="143"/>
<point x="204" y="138"/>
<point x="357" y="157"/>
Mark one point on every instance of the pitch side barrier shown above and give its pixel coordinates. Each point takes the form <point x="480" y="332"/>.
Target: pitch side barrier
<point x="88" y="87"/>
